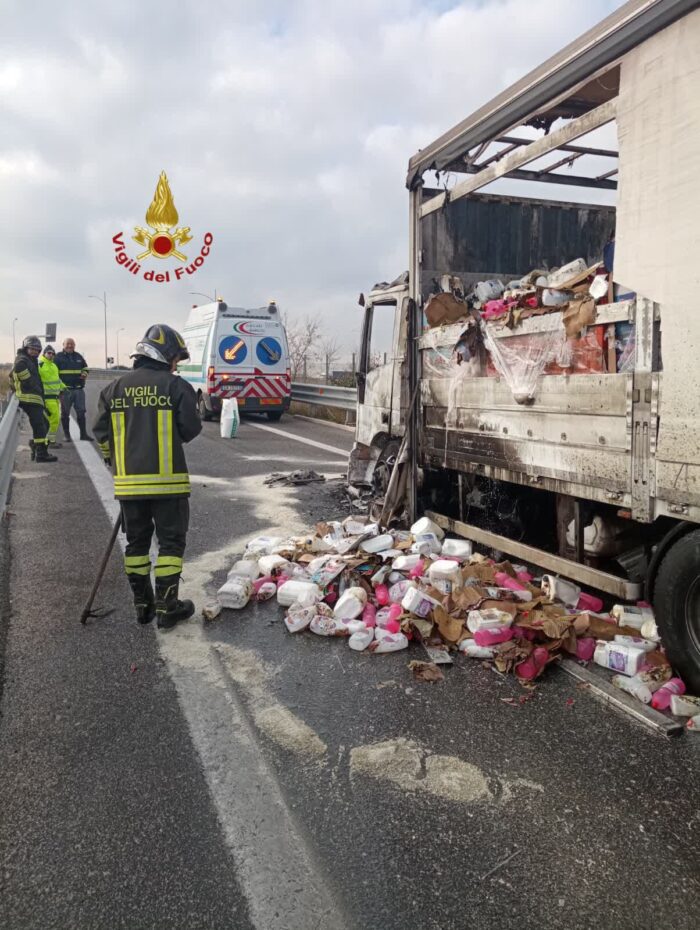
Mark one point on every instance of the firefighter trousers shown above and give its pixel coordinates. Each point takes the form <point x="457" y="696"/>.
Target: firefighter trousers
<point x="169" y="517"/>
<point x="38" y="421"/>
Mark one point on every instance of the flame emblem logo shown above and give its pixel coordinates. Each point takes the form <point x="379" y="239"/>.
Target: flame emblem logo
<point x="161" y="240"/>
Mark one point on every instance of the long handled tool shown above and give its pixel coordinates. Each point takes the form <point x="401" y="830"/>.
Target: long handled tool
<point x="87" y="610"/>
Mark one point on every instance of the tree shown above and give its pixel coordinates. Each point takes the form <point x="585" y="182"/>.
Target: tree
<point x="330" y="350"/>
<point x="302" y="335"/>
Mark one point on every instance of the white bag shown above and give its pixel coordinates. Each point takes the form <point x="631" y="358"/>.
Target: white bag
<point x="229" y="418"/>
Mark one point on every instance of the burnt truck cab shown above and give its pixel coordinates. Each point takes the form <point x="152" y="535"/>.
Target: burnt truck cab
<point x="583" y="461"/>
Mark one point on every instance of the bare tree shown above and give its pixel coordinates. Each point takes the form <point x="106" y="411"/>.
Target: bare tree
<point x="302" y="335"/>
<point x="330" y="350"/>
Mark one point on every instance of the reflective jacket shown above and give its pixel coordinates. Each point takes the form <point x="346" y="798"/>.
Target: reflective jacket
<point x="143" y="419"/>
<point x="26" y="381"/>
<point x="71" y="365"/>
<point x="50" y="378"/>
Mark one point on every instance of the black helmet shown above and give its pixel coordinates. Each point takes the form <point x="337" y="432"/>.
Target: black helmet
<point x="162" y="343"/>
<point x="31" y="342"/>
<point x="48" y="348"/>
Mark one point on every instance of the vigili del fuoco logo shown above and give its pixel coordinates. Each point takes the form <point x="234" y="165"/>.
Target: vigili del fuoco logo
<point x="162" y="239"/>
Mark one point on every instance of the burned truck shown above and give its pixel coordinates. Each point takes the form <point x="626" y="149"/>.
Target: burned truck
<point x="543" y="353"/>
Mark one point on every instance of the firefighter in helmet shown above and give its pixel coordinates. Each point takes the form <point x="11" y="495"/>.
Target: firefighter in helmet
<point x="27" y="385"/>
<point x="143" y="420"/>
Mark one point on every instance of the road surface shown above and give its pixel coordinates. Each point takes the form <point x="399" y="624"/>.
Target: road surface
<point x="234" y="776"/>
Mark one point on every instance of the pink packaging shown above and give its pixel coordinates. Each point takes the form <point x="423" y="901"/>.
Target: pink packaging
<point x="505" y="581"/>
<point x="417" y="570"/>
<point x="369" y="615"/>
<point x="589" y="602"/>
<point x="661" y="699"/>
<point x="261" y="581"/>
<point x="493" y="637"/>
<point x="585" y="647"/>
<point x="533" y="665"/>
<point x="381" y="593"/>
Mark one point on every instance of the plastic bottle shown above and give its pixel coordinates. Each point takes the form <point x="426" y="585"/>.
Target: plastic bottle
<point x="426" y="544"/>
<point x="559" y="589"/>
<point x="693" y="724"/>
<point x="327" y="626"/>
<point x="388" y="642"/>
<point x="424" y="525"/>
<point x="457" y="548"/>
<point x="585" y="648"/>
<point x="381" y="594"/>
<point x="505" y="581"/>
<point x="266" y="591"/>
<point x="637" y="641"/>
<point x="299" y="618"/>
<point x="469" y="647"/>
<point x="649" y="631"/>
<point x="245" y="568"/>
<point x="685" y="705"/>
<point x="404" y="563"/>
<point x="445" y="575"/>
<point x="625" y="659"/>
<point x="291" y="591"/>
<point x="211" y="610"/>
<point x="369" y="615"/>
<point x="360" y="641"/>
<point x="662" y="698"/>
<point x="273" y="563"/>
<point x="235" y="593"/>
<point x="493" y="637"/>
<point x="534" y="664"/>
<point x="633" y="686"/>
<point x="417" y="570"/>
<point x="418" y="603"/>
<point x="350" y="604"/>
<point x="488" y="619"/>
<point x="398" y="590"/>
<point x="634" y="617"/>
<point x="589" y="602"/>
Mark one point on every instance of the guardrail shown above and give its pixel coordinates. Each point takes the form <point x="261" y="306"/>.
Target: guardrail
<point x="322" y="395"/>
<point x="9" y="437"/>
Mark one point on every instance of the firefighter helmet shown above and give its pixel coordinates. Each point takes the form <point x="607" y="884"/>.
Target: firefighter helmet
<point x="163" y="344"/>
<point x="31" y="342"/>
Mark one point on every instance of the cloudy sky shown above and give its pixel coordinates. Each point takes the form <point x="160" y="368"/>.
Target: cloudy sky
<point x="284" y="126"/>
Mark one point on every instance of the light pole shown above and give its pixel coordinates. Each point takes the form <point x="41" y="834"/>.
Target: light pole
<point x="120" y="330"/>
<point x="14" y="341"/>
<point x="199" y="294"/>
<point x="103" y="300"/>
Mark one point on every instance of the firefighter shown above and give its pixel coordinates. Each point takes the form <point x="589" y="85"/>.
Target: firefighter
<point x="27" y="385"/>
<point x="53" y="386"/>
<point x="143" y="419"/>
<point x="73" y="370"/>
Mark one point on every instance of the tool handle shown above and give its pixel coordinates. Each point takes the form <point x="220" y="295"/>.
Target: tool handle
<point x="103" y="565"/>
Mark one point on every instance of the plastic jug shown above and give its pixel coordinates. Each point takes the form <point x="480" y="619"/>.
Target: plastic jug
<point x="633" y="686"/>
<point x="291" y="592"/>
<point x="534" y="664"/>
<point x="662" y="698"/>
<point x="489" y="619"/>
<point x="559" y="589"/>
<point x="457" y="548"/>
<point x="398" y="591"/>
<point x="327" y="626"/>
<point x="261" y="545"/>
<point x="299" y="618"/>
<point x="273" y="563"/>
<point x="445" y="575"/>
<point x="426" y="544"/>
<point x="417" y="571"/>
<point x="230" y="419"/>
<point x="493" y="637"/>
<point x="585" y="648"/>
<point x="245" y="568"/>
<point x="350" y="604"/>
<point x="418" y="603"/>
<point x="637" y="641"/>
<point x="424" y="525"/>
<point x="404" y="563"/>
<point x="684" y="705"/>
<point x="589" y="602"/>
<point x="235" y="593"/>
<point x="469" y="647"/>
<point x="360" y="641"/>
<point x="212" y="609"/>
<point x="620" y="658"/>
<point x="387" y="642"/>
<point x="381" y="594"/>
<point x="634" y="617"/>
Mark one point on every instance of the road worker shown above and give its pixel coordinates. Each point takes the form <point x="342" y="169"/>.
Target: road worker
<point x="53" y="386"/>
<point x="73" y="370"/>
<point x="27" y="385"/>
<point x="143" y="419"/>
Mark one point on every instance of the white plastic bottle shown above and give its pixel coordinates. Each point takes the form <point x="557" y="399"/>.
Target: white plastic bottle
<point x="633" y="686"/>
<point x="299" y="618"/>
<point x="235" y="593"/>
<point x="625" y="659"/>
<point x="424" y="525"/>
<point x="291" y="592"/>
<point x="360" y="640"/>
<point x="457" y="548"/>
<point x="350" y="604"/>
<point x="387" y="642"/>
<point x="469" y="648"/>
<point x="445" y="575"/>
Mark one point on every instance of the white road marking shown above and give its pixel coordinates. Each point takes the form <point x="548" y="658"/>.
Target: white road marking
<point x="308" y="442"/>
<point x="284" y="887"/>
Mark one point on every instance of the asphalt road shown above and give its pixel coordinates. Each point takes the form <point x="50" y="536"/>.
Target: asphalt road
<point x="240" y="776"/>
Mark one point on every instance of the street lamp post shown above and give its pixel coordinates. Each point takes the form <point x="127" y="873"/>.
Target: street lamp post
<point x="103" y="300"/>
<point x="14" y="341"/>
<point x="199" y="294"/>
<point x="120" y="330"/>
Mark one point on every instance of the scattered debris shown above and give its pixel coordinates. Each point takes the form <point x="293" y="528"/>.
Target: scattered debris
<point x="293" y="478"/>
<point x="425" y="671"/>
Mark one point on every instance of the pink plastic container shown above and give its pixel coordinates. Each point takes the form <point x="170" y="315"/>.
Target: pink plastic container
<point x="589" y="602"/>
<point x="369" y="615"/>
<point x="417" y="570"/>
<point x="493" y="637"/>
<point x="261" y="581"/>
<point x="661" y="699"/>
<point x="505" y="581"/>
<point x="381" y="594"/>
<point x="585" y="647"/>
<point x="533" y="665"/>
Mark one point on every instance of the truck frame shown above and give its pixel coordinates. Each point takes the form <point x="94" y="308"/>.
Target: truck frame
<point x="620" y="446"/>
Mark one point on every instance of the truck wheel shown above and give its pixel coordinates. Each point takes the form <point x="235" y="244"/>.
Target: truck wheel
<point x="204" y="412"/>
<point x="385" y="466"/>
<point x="677" y="607"/>
<point x="274" y="415"/>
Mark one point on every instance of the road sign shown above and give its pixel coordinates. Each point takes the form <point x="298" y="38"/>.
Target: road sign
<point x="50" y="332"/>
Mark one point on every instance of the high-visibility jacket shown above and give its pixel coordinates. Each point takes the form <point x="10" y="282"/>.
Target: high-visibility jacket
<point x="143" y="419"/>
<point x="50" y="377"/>
<point x="26" y="381"/>
<point x="71" y="366"/>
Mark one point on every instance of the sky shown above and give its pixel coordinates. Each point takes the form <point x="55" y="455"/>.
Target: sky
<point x="284" y="128"/>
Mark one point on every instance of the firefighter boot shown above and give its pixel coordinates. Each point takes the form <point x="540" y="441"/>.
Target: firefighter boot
<point x="170" y="610"/>
<point x="144" y="600"/>
<point x="32" y="449"/>
<point x="42" y="453"/>
<point x="65" y="423"/>
<point x="81" y="426"/>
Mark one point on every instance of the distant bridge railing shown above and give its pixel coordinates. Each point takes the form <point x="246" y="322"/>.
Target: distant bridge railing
<point x="9" y="437"/>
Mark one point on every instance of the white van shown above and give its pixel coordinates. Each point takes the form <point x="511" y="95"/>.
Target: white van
<point x="237" y="353"/>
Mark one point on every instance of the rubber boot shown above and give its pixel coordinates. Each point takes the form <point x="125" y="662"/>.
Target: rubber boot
<point x="170" y="610"/>
<point x="32" y="449"/>
<point x="81" y="426"/>
<point x="42" y="453"/>
<point x="144" y="599"/>
<point x="65" y="423"/>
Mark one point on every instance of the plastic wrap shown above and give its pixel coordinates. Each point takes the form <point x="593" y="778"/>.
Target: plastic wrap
<point x="625" y="347"/>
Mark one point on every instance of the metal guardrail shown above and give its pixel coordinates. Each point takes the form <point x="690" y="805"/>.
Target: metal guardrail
<point x="325" y="395"/>
<point x="9" y="437"/>
<point x="322" y="395"/>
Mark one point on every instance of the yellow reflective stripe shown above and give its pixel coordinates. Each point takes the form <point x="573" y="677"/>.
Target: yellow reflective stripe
<point x="165" y="442"/>
<point x="30" y="398"/>
<point x="119" y="430"/>
<point x="138" y="569"/>
<point x="168" y="565"/>
<point x="71" y="371"/>
<point x="153" y="490"/>
<point x="137" y="559"/>
<point x="23" y="375"/>
<point x="180" y="478"/>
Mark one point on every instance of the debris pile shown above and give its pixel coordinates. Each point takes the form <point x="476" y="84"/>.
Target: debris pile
<point x="382" y="590"/>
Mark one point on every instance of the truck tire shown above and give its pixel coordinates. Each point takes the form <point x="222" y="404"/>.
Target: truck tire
<point x="205" y="413"/>
<point x="274" y="415"/>
<point x="677" y="607"/>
